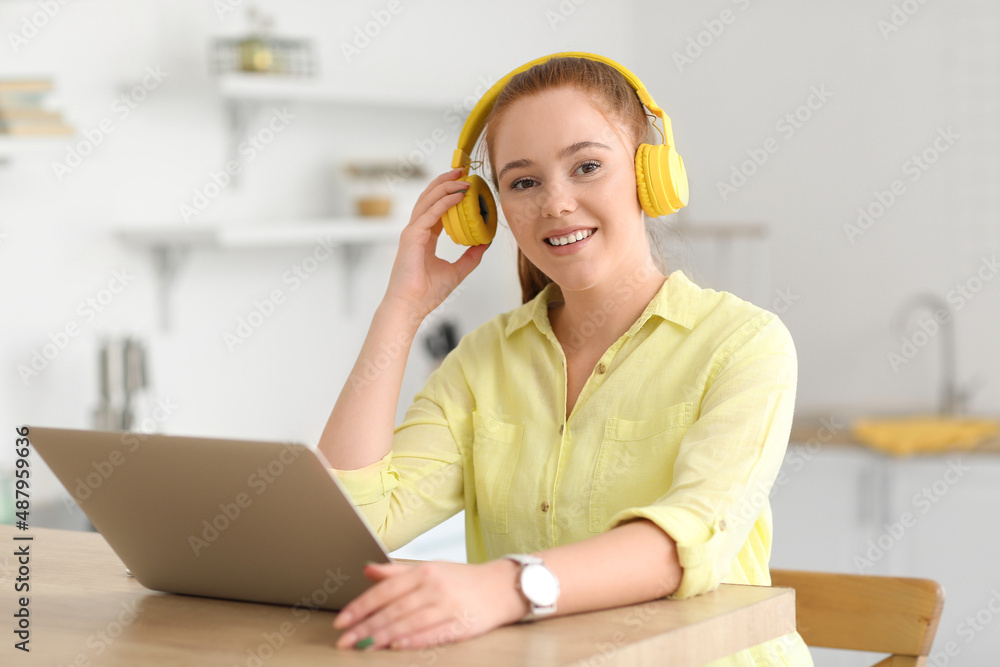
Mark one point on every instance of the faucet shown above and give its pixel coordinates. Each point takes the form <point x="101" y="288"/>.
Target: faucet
<point x="952" y="400"/>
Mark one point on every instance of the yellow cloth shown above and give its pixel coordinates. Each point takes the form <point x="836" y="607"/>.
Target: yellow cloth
<point x="684" y="421"/>
<point x="923" y="433"/>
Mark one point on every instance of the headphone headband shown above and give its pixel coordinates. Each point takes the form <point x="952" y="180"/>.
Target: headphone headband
<point x="476" y="120"/>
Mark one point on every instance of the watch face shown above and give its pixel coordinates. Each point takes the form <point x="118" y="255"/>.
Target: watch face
<point x="540" y="585"/>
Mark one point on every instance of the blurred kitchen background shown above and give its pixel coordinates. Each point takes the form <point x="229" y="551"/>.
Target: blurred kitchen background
<point x="200" y="202"/>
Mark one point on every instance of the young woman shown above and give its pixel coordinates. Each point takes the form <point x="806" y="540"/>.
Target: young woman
<point x="618" y="432"/>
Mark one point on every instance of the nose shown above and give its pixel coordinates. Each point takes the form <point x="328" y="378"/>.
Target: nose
<point x="556" y="199"/>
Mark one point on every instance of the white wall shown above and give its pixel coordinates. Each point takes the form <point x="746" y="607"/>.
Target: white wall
<point x="889" y="97"/>
<point x="59" y="247"/>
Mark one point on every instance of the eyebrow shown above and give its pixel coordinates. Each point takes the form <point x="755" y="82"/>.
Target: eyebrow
<point x="564" y="153"/>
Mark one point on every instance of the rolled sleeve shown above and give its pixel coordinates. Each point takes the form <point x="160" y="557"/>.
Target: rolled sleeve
<point x="369" y="484"/>
<point x="729" y="458"/>
<point x="419" y="482"/>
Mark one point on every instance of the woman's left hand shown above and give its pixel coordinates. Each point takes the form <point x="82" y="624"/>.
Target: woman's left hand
<point x="426" y="604"/>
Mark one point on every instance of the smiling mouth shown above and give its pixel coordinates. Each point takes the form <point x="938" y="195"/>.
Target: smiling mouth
<point x="570" y="238"/>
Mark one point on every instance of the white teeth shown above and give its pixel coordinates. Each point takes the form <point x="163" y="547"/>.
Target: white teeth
<point x="570" y="238"/>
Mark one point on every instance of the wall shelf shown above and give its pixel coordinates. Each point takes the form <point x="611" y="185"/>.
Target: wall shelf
<point x="270" y="88"/>
<point x="170" y="245"/>
<point x="14" y="146"/>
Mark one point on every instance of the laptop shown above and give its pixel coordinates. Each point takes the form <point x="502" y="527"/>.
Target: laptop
<point x="236" y="519"/>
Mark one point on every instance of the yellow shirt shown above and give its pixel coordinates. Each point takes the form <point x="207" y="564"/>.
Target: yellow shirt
<point x="684" y="421"/>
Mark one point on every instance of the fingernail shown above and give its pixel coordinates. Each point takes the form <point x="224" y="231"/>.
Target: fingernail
<point x="365" y="643"/>
<point x="458" y="192"/>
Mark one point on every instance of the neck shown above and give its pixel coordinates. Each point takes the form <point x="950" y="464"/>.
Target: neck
<point x="596" y="317"/>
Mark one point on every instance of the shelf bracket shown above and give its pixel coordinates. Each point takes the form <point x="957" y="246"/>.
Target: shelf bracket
<point x="166" y="260"/>
<point x="350" y="259"/>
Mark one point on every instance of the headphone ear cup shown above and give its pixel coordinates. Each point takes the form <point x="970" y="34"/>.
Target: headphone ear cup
<point x="473" y="221"/>
<point x="453" y="224"/>
<point x="661" y="180"/>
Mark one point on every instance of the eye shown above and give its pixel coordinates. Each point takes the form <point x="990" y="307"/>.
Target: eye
<point x="520" y="181"/>
<point x="589" y="167"/>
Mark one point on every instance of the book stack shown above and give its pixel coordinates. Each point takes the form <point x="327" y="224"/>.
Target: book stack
<point x="23" y="112"/>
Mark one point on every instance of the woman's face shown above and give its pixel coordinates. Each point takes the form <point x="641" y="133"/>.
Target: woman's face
<point x="563" y="169"/>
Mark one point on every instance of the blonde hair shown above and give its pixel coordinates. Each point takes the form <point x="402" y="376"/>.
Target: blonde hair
<point x="611" y="94"/>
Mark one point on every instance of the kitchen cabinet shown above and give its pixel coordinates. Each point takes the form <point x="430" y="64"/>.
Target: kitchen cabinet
<point x="954" y="539"/>
<point x="823" y="501"/>
<point x="846" y="508"/>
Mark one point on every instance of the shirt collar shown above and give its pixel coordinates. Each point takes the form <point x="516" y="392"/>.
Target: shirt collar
<point x="677" y="301"/>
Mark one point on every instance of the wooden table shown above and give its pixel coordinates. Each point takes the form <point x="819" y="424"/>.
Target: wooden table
<point x="85" y="611"/>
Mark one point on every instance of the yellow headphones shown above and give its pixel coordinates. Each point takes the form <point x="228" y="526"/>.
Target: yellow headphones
<point x="661" y="180"/>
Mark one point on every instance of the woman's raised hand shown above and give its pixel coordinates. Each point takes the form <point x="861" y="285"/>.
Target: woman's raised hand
<point x="420" y="279"/>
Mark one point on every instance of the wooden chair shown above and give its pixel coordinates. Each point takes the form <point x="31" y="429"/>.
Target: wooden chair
<point x="892" y="615"/>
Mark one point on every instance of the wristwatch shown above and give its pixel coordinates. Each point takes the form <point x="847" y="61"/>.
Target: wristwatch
<point x="537" y="584"/>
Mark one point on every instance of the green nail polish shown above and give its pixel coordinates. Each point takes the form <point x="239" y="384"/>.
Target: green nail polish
<point x="458" y="191"/>
<point x="365" y="643"/>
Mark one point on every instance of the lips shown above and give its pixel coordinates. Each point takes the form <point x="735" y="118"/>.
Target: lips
<point x="569" y="236"/>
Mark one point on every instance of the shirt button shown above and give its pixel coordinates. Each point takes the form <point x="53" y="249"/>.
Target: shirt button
<point x="601" y="368"/>
<point x="545" y="506"/>
<point x="561" y="428"/>
<point x="722" y="525"/>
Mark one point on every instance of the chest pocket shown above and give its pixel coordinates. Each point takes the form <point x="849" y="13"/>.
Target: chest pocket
<point x="495" y="451"/>
<point x="635" y="462"/>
